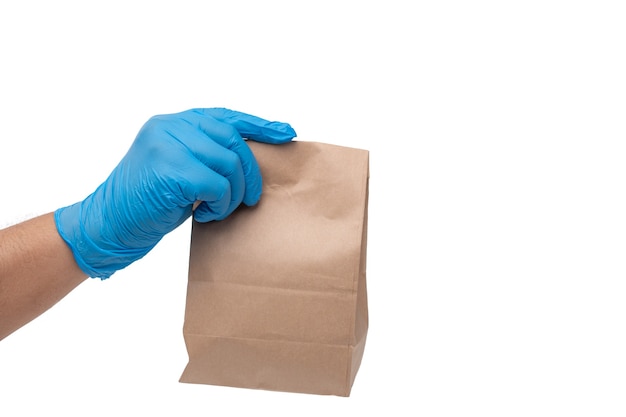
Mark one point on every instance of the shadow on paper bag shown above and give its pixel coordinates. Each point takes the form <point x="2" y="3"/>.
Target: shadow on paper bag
<point x="277" y="296"/>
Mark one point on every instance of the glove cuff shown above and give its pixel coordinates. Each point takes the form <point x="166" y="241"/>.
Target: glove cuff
<point x="95" y="261"/>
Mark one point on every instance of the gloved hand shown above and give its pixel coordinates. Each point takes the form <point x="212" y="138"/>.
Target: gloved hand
<point x="175" y="160"/>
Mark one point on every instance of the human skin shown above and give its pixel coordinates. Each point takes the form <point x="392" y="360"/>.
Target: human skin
<point x="37" y="269"/>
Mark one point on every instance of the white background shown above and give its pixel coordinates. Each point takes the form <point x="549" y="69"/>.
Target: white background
<point x="496" y="262"/>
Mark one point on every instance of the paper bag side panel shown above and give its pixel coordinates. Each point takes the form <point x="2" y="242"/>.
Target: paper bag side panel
<point x="362" y="311"/>
<point x="361" y="318"/>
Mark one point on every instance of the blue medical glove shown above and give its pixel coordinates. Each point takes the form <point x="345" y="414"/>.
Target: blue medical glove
<point x="176" y="160"/>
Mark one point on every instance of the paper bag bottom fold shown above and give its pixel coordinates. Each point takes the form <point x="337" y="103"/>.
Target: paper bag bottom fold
<point x="273" y="365"/>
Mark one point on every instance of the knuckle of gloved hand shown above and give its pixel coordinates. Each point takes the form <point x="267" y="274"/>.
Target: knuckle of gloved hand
<point x="159" y="131"/>
<point x="154" y="126"/>
<point x="159" y="120"/>
<point x="231" y="134"/>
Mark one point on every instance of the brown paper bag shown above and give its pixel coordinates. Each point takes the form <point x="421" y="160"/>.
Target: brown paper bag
<point x="277" y="296"/>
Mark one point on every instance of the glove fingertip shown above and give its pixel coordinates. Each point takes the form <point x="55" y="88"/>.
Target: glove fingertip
<point x="204" y="214"/>
<point x="251" y="201"/>
<point x="277" y="133"/>
<point x="253" y="191"/>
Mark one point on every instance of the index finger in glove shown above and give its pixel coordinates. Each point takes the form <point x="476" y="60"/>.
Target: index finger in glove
<point x="252" y="127"/>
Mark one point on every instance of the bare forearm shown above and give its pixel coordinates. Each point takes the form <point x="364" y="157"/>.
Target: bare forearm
<point x="37" y="269"/>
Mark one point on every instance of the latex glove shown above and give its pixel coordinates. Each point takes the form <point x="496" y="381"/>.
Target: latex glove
<point x="175" y="160"/>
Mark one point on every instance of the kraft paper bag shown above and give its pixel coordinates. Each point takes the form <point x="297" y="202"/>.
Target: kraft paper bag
<point x="277" y="296"/>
